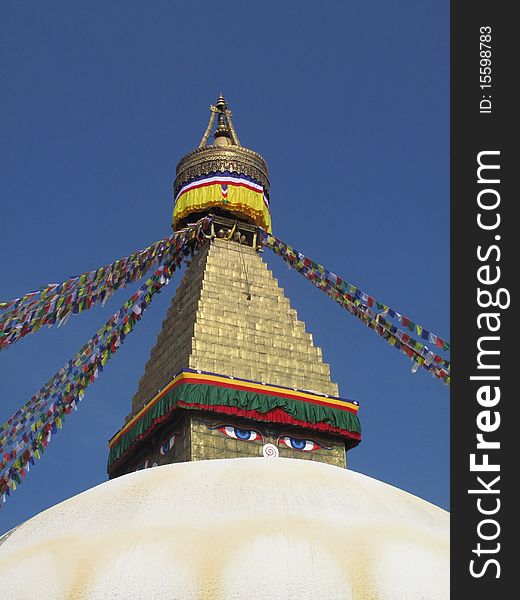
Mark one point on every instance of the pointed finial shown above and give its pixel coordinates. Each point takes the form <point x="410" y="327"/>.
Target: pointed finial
<point x="222" y="130"/>
<point x="225" y="134"/>
<point x="221" y="104"/>
<point x="224" y="155"/>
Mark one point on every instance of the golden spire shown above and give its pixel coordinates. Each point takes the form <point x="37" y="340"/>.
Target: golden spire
<point x="225" y="134"/>
<point x="225" y="157"/>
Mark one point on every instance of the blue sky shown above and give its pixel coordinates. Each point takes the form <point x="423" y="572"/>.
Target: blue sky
<point x="349" y="105"/>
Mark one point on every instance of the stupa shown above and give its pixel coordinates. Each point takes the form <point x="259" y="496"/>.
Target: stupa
<point x="233" y="375"/>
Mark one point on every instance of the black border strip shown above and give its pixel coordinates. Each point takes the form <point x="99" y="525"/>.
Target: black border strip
<point x="473" y="132"/>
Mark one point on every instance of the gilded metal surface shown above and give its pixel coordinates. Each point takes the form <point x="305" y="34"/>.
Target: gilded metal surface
<point x="208" y="443"/>
<point x="234" y="158"/>
<point x="207" y="133"/>
<point x="234" y="135"/>
<point x="229" y="316"/>
<point x="225" y="122"/>
<point x="215" y="159"/>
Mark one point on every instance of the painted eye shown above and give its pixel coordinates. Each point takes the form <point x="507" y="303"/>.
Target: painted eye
<point x="167" y="445"/>
<point x="144" y="465"/>
<point x="299" y="444"/>
<point x="246" y="435"/>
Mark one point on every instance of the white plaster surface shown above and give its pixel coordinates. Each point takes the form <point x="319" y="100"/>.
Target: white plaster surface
<point x="248" y="528"/>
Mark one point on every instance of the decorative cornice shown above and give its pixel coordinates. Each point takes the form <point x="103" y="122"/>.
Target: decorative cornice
<point x="198" y="390"/>
<point x="215" y="159"/>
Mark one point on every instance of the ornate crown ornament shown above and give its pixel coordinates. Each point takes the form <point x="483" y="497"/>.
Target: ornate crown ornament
<point x="225" y="157"/>
<point x="218" y="159"/>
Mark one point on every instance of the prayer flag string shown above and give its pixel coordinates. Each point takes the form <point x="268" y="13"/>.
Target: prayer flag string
<point x="365" y="308"/>
<point x="54" y="303"/>
<point x="26" y="435"/>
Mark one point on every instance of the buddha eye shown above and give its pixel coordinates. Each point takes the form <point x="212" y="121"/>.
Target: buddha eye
<point x="144" y="465"/>
<point x="246" y="435"/>
<point x="167" y="445"/>
<point x="304" y="445"/>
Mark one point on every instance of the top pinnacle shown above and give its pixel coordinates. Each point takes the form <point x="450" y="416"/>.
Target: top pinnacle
<point x="221" y="104"/>
<point x="243" y="188"/>
<point x="225" y="134"/>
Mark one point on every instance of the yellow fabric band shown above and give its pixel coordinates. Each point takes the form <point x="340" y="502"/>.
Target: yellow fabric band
<point x="238" y="199"/>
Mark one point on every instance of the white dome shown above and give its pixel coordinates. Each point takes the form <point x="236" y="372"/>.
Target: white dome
<point x="249" y="528"/>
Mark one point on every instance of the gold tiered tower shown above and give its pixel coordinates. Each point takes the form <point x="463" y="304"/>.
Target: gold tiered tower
<point x="233" y="372"/>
